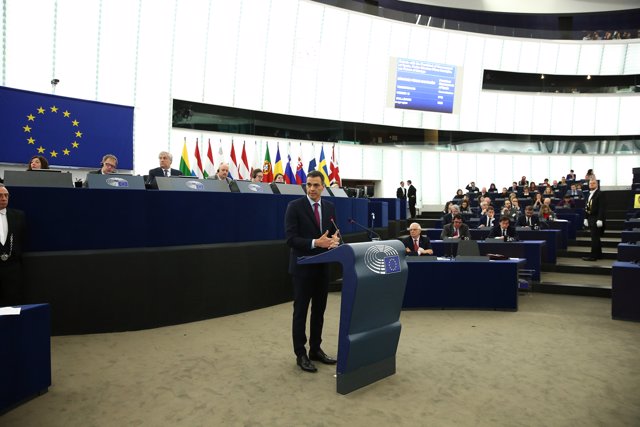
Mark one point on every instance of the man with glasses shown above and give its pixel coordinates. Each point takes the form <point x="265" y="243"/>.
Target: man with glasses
<point x="310" y="230"/>
<point x="107" y="166"/>
<point x="456" y="230"/>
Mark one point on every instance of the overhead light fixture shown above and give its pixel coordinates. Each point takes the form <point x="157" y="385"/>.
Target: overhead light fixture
<point x="589" y="77"/>
<point x="541" y="76"/>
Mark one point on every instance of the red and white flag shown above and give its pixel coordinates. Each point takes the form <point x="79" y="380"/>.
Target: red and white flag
<point x="334" y="175"/>
<point x="243" y="167"/>
<point x="209" y="168"/>
<point x="233" y="164"/>
<point x="199" y="171"/>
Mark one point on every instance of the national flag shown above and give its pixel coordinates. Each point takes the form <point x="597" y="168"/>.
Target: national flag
<point x="257" y="163"/>
<point x="243" y="167"/>
<point x="209" y="168"/>
<point x="334" y="169"/>
<point x="277" y="166"/>
<point x="66" y="131"/>
<point x="221" y="158"/>
<point x="301" y="177"/>
<point x="267" y="170"/>
<point x="322" y="167"/>
<point x="312" y="162"/>
<point x="184" y="160"/>
<point x="199" y="171"/>
<point x="233" y="164"/>
<point x="289" y="177"/>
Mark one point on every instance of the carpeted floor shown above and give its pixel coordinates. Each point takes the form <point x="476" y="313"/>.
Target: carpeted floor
<point x="558" y="361"/>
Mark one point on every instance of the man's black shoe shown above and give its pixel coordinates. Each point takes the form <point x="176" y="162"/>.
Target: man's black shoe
<point x="320" y="356"/>
<point x="589" y="258"/>
<point x="306" y="364"/>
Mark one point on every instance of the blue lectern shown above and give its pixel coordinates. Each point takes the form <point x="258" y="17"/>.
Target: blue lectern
<point x="373" y="283"/>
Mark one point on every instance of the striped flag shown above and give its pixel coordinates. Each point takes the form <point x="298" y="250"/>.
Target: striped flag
<point x="301" y="177"/>
<point x="184" y="160"/>
<point x="277" y="166"/>
<point x="322" y="167"/>
<point x="243" y="167"/>
<point x="233" y="164"/>
<point x="209" y="168"/>
<point x="334" y="169"/>
<point x="289" y="176"/>
<point x="199" y="171"/>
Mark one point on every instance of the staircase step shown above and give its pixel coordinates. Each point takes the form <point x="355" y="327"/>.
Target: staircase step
<point x="578" y="266"/>
<point x="580" y="251"/>
<point x="607" y="242"/>
<point x="613" y="234"/>
<point x="574" y="284"/>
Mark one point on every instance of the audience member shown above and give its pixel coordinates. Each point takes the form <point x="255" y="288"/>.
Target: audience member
<point x="546" y="213"/>
<point x="492" y="188"/>
<point x="571" y="176"/>
<point x="523" y="181"/>
<point x="537" y="201"/>
<point x="590" y="175"/>
<point x="488" y="219"/>
<point x="464" y="207"/>
<point x="574" y="192"/>
<point x="533" y="188"/>
<point x="471" y="188"/>
<point x="446" y="208"/>
<point x="416" y="243"/>
<point x="504" y="194"/>
<point x="453" y="211"/>
<point x="457" y="229"/>
<point x="503" y="230"/>
<point x="37" y="163"/>
<point x="459" y="195"/>
<point x="529" y="219"/>
<point x="566" y="202"/>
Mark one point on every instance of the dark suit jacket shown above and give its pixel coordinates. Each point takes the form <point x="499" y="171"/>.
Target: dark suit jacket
<point x="597" y="206"/>
<point x="496" y="231"/>
<point x="17" y="228"/>
<point x="522" y="221"/>
<point x="423" y="242"/>
<point x="483" y="221"/>
<point x="153" y="173"/>
<point x="301" y="228"/>
<point x="447" y="231"/>
<point x="411" y="194"/>
<point x="401" y="193"/>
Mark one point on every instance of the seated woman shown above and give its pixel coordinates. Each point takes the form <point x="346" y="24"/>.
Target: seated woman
<point x="590" y="175"/>
<point x="446" y="208"/>
<point x="464" y="206"/>
<point x="492" y="188"/>
<point x="537" y="201"/>
<point x="459" y="195"/>
<point x="279" y="178"/>
<point x="546" y="214"/>
<point x="38" y="162"/>
<point x="533" y="188"/>
<point x="504" y="193"/>
<point x="256" y="175"/>
<point x="525" y="192"/>
<point x="548" y="192"/>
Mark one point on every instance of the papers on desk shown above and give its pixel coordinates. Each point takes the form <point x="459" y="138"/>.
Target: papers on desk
<point x="10" y="311"/>
<point x="443" y="258"/>
<point x="561" y="220"/>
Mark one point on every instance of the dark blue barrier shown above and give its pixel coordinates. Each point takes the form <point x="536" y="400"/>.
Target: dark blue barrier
<point x="80" y="218"/>
<point x="380" y="211"/>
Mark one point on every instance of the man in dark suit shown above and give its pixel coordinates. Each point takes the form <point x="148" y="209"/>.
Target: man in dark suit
<point x="12" y="239"/>
<point x="529" y="219"/>
<point x="108" y="165"/>
<point x="411" y="198"/>
<point x="504" y="230"/>
<point x="309" y="230"/>
<point x="488" y="219"/>
<point x="222" y="174"/>
<point x="594" y="219"/>
<point x="164" y="170"/>
<point x="456" y="229"/>
<point x="416" y="243"/>
<point x="401" y="192"/>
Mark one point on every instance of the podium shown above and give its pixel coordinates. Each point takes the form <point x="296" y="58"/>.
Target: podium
<point x="374" y="279"/>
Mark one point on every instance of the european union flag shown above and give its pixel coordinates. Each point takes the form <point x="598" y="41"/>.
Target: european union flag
<point x="392" y="264"/>
<point x="67" y="131"/>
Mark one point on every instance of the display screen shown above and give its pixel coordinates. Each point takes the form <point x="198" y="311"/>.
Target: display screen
<point x="424" y="86"/>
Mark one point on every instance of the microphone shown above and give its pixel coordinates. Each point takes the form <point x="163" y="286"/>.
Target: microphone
<point x="369" y="230"/>
<point x="337" y="230"/>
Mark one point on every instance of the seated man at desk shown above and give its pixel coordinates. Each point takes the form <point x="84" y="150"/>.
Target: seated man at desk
<point x="108" y="165"/>
<point x="566" y="202"/>
<point x="416" y="243"/>
<point x="165" y="169"/>
<point x="456" y="229"/>
<point x="529" y="219"/>
<point x="222" y="174"/>
<point x="488" y="219"/>
<point x="504" y="230"/>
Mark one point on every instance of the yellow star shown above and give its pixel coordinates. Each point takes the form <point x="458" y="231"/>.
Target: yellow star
<point x="54" y="153"/>
<point x="79" y="134"/>
<point x="31" y="117"/>
<point x="41" y="149"/>
<point x="74" y="144"/>
<point x="75" y="123"/>
<point x="31" y="140"/>
<point x="66" y="113"/>
<point x="26" y="128"/>
<point x="54" y="109"/>
<point x="66" y="152"/>
<point x="40" y="110"/>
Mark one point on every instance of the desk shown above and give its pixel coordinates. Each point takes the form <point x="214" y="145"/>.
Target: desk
<point x="625" y="291"/>
<point x="25" y="355"/>
<point x="575" y="218"/>
<point x="632" y="224"/>
<point x="630" y="236"/>
<point x="628" y="252"/>
<point x="565" y="234"/>
<point x="530" y="250"/>
<point x="111" y="219"/>
<point x="444" y="284"/>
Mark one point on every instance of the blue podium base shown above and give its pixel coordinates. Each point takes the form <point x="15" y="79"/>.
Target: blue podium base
<point x="366" y="375"/>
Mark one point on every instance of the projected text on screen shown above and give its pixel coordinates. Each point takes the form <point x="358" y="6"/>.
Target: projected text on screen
<point x="424" y="86"/>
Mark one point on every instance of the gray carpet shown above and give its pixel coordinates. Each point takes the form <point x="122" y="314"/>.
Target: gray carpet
<point x="559" y="361"/>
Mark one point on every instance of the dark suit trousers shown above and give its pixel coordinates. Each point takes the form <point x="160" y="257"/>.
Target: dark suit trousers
<point x="314" y="290"/>
<point x="11" y="292"/>
<point x="596" y="233"/>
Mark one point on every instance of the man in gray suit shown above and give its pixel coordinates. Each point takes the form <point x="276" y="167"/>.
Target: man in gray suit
<point x="457" y="229"/>
<point x="222" y="174"/>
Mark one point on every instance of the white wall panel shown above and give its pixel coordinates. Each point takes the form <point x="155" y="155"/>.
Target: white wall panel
<point x="580" y="164"/>
<point x="493" y="53"/>
<point x="190" y="36"/>
<point x="430" y="182"/>
<point x="330" y="64"/>
<point x="485" y="170"/>
<point x="529" y="57"/>
<point x="505" y="110"/>
<point x="522" y="166"/>
<point x="511" y="55"/>
<point x="373" y="163"/>
<point x="628" y="122"/>
<point x="448" y="175"/>
<point x="392" y="174"/>
<point x="613" y="59"/>
<point x="376" y="72"/>
<point x="607" y="115"/>
<point x="584" y="115"/>
<point x="605" y="168"/>
<point x="467" y="167"/>
<point x="632" y="59"/>
<point x="568" y="56"/>
<point x="559" y="166"/>
<point x="562" y="115"/>
<point x="590" y="59"/>
<point x="353" y="83"/>
<point x="438" y="40"/>
<point x="504" y="170"/>
<point x="541" y="119"/>
<point x="540" y="168"/>
<point x="487" y="114"/>
<point x="470" y="83"/>
<point x="350" y="161"/>
<point x="624" y="170"/>
<point x="523" y="114"/>
<point x="548" y="58"/>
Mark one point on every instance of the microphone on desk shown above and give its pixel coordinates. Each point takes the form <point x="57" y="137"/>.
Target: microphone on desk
<point x="370" y="230"/>
<point x="337" y="230"/>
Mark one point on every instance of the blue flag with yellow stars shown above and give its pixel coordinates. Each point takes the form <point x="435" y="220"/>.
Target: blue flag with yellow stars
<point x="66" y="131"/>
